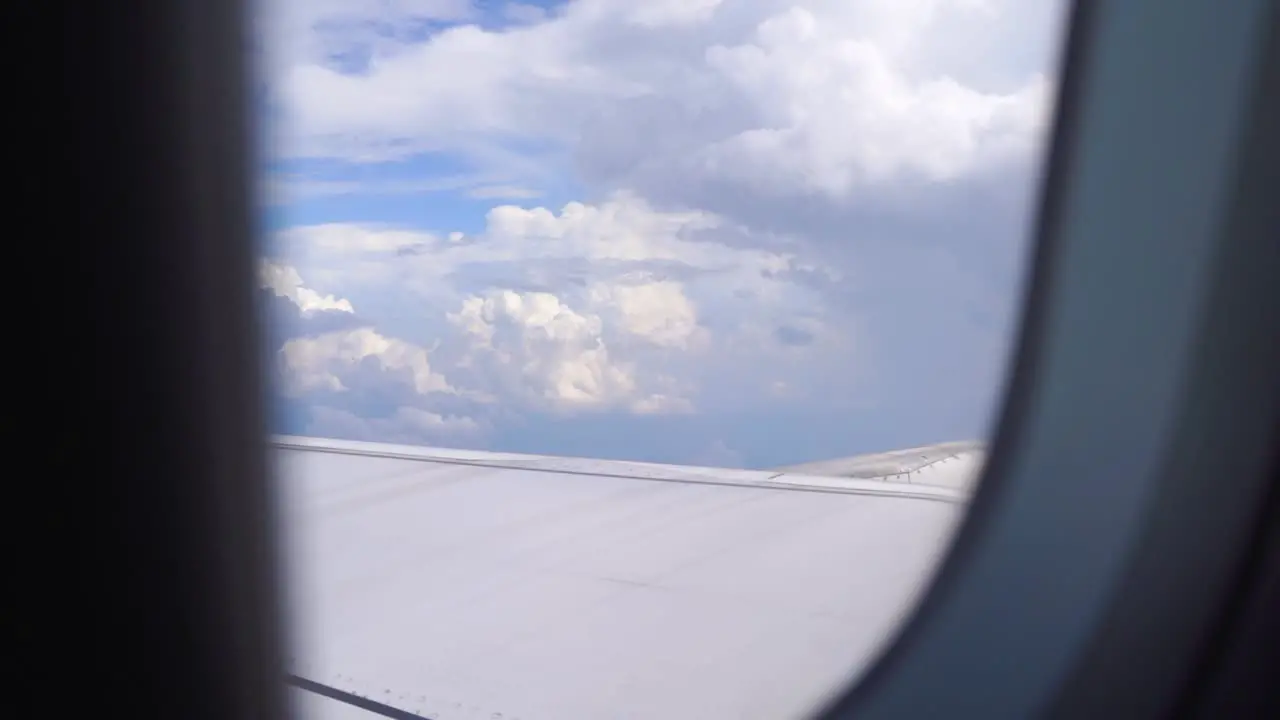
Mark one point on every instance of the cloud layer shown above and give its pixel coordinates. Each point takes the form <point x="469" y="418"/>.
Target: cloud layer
<point x="707" y="211"/>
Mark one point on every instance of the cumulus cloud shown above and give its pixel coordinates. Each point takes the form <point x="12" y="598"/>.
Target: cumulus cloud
<point x="319" y="363"/>
<point x="613" y="305"/>
<point x="539" y="347"/>
<point x="689" y="206"/>
<point x="658" y="312"/>
<point x="291" y="309"/>
<point x="285" y="282"/>
<point x="834" y="114"/>
<point x="323" y="352"/>
<point x="777" y="97"/>
<point x="621" y="236"/>
<point x="588" y="348"/>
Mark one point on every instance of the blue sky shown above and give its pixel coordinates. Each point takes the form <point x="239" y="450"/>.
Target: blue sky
<point x="725" y="232"/>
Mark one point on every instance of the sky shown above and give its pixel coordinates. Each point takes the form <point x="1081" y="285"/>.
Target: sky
<point x="739" y="233"/>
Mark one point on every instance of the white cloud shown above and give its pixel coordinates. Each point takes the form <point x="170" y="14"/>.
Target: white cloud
<point x="284" y="281"/>
<point x="354" y="360"/>
<point x="622" y="241"/>
<point x="556" y="356"/>
<point x="622" y="228"/>
<point x="346" y="256"/>
<point x="822" y="186"/>
<point x="612" y="306"/>
<point x="321" y="363"/>
<point x="541" y="346"/>
<point x="834" y="113"/>
<point x="775" y="97"/>
<point x="659" y="312"/>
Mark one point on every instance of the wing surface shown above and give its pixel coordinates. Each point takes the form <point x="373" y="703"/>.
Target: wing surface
<point x="459" y="584"/>
<point x="949" y="464"/>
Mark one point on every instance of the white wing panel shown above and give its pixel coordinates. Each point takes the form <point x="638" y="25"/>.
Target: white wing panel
<point x="953" y="465"/>
<point x="448" y="585"/>
<point x="945" y="476"/>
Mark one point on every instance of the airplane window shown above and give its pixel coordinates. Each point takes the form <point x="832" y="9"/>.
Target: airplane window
<point x="632" y="359"/>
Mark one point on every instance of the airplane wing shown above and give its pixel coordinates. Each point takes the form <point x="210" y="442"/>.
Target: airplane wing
<point x="456" y="584"/>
